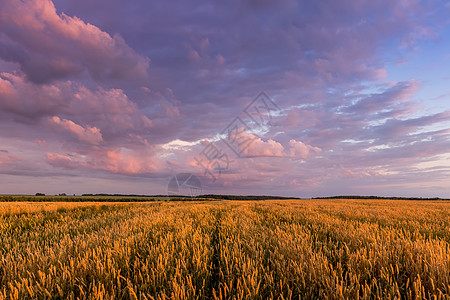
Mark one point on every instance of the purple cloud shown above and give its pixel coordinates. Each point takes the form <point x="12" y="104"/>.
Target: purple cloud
<point x="50" y="46"/>
<point x="78" y="92"/>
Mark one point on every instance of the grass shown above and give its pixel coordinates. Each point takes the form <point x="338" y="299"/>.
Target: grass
<point x="309" y="249"/>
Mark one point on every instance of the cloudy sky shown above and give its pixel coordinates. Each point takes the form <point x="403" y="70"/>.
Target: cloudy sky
<point x="293" y="98"/>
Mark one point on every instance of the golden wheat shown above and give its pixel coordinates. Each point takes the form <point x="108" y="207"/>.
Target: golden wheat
<point x="283" y="249"/>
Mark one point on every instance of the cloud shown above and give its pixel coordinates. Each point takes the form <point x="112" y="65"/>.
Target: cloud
<point x="108" y="110"/>
<point x="6" y="158"/>
<point x="376" y="102"/>
<point x="299" y="149"/>
<point x="398" y="130"/>
<point x="59" y="160"/>
<point x="316" y="43"/>
<point x="312" y="46"/>
<point x="50" y="46"/>
<point x="123" y="161"/>
<point x="258" y="147"/>
<point x="87" y="134"/>
<point x="26" y="100"/>
<point x="78" y="96"/>
<point x="253" y="146"/>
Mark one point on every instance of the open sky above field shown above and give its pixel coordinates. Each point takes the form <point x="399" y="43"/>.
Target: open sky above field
<point x="119" y="96"/>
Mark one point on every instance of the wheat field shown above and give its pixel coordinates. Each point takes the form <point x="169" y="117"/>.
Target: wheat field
<point x="277" y="249"/>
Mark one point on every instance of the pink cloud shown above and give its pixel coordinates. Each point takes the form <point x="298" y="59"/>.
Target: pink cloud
<point x="41" y="143"/>
<point x="169" y="103"/>
<point x="257" y="147"/>
<point x="6" y="87"/>
<point x="301" y="150"/>
<point x="59" y="160"/>
<point x="122" y="160"/>
<point x="27" y="99"/>
<point x="220" y="59"/>
<point x="119" y="161"/>
<point x="204" y="44"/>
<point x="111" y="108"/>
<point x="7" y="158"/>
<point x="380" y="74"/>
<point x="193" y="55"/>
<point x="89" y="134"/>
<point x="48" y="45"/>
<point x="108" y="110"/>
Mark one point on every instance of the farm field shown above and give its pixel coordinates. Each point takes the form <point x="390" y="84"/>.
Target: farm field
<point x="279" y="249"/>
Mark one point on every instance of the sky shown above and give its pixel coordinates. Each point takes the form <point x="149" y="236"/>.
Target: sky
<point x="289" y="98"/>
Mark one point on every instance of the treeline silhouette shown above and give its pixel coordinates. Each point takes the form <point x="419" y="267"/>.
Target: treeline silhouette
<point x="32" y="198"/>
<point x="104" y="197"/>
<point x="200" y="197"/>
<point x="238" y="197"/>
<point x="123" y="195"/>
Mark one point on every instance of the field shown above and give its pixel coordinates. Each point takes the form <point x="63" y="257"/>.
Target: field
<point x="308" y="249"/>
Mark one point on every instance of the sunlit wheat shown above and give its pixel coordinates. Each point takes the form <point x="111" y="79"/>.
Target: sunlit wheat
<point x="284" y="249"/>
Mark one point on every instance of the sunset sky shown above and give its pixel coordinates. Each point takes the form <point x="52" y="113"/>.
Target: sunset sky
<point x="112" y="96"/>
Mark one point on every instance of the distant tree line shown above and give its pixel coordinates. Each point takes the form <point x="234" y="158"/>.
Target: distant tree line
<point x="200" y="197"/>
<point x="40" y="197"/>
<point x="238" y="197"/>
<point x="122" y="195"/>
